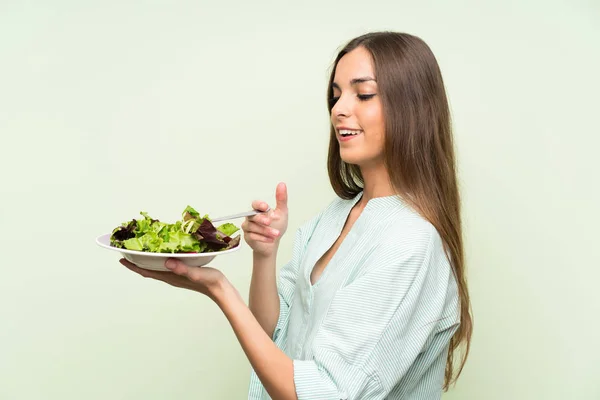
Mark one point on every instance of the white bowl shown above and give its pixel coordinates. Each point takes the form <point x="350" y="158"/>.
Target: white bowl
<point x="156" y="261"/>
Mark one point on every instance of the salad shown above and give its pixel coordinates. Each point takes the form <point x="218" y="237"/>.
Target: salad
<point x="192" y="234"/>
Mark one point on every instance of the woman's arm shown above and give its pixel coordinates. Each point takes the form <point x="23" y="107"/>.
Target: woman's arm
<point x="263" y="298"/>
<point x="272" y="366"/>
<point x="263" y="233"/>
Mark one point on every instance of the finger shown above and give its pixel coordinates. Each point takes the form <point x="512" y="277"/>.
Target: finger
<point x="258" y="227"/>
<point x="259" y="205"/>
<point x="132" y="266"/>
<point x="143" y="272"/>
<point x="127" y="263"/>
<point x="177" y="267"/>
<point x="281" y="197"/>
<point x="253" y="227"/>
<point x="264" y="219"/>
<point x="260" y="222"/>
<point x="259" y="238"/>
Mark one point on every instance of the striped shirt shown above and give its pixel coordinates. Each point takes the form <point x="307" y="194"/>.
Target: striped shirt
<point x="377" y="323"/>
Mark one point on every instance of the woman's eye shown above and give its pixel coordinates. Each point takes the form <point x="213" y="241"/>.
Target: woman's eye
<point x="363" y="97"/>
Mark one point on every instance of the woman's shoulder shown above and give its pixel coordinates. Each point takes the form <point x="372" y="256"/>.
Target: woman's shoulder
<point x="409" y="223"/>
<point x="408" y="235"/>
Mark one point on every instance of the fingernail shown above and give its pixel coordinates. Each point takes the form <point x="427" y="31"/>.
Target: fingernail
<point x="275" y="232"/>
<point x="170" y="264"/>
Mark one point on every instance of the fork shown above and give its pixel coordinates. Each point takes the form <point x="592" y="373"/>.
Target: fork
<point x="240" y="215"/>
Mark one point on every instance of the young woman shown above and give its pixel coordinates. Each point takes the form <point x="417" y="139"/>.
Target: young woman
<point x="373" y="303"/>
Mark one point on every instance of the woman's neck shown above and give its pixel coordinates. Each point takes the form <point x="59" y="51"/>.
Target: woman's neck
<point x="376" y="183"/>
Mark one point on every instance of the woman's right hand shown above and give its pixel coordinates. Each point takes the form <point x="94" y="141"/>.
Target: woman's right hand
<point x="262" y="232"/>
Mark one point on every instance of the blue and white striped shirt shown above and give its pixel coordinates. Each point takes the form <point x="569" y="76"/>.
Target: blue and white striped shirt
<point x="377" y="323"/>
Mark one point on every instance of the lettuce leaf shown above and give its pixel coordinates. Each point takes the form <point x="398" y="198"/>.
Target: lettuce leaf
<point x="192" y="234"/>
<point x="228" y="229"/>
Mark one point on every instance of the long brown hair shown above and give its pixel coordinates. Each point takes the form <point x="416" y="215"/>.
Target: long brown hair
<point x="418" y="153"/>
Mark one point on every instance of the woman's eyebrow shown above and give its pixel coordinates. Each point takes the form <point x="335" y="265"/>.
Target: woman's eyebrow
<point x="361" y="80"/>
<point x="355" y="81"/>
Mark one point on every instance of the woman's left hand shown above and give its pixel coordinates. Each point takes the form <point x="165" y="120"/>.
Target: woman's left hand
<point x="205" y="280"/>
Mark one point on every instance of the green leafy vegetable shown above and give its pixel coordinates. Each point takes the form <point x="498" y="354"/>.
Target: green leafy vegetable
<point x="192" y="234"/>
<point x="228" y="229"/>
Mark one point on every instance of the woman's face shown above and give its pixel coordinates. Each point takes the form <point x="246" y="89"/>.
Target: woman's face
<point x="357" y="114"/>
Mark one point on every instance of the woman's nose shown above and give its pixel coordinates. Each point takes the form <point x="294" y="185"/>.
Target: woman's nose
<point x="341" y="108"/>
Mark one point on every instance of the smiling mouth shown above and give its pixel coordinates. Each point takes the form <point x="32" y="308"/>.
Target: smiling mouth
<point x="348" y="132"/>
